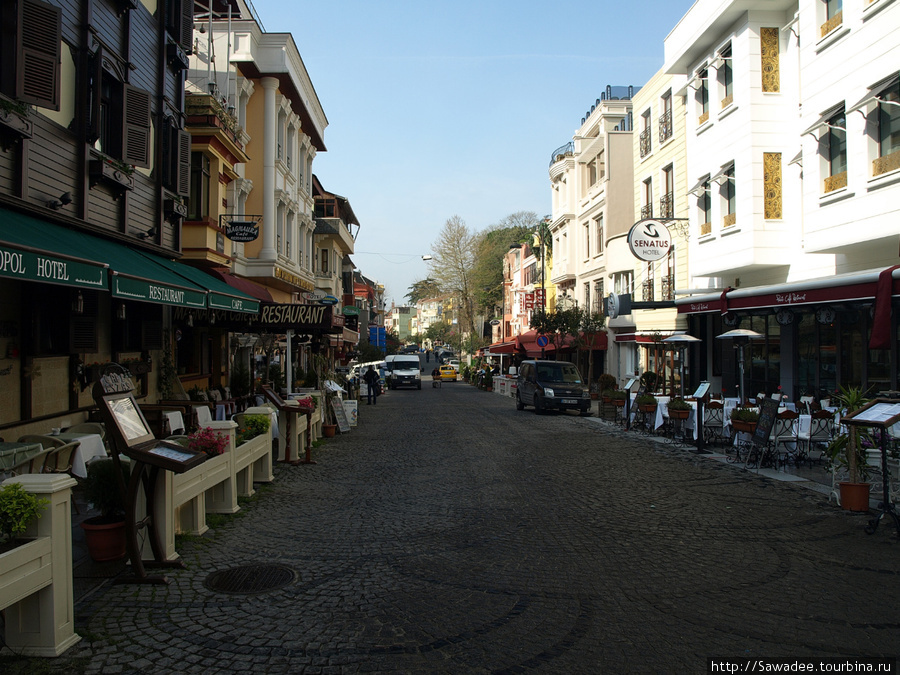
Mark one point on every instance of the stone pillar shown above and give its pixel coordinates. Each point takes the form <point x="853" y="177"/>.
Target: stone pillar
<point x="270" y="139"/>
<point x="43" y="623"/>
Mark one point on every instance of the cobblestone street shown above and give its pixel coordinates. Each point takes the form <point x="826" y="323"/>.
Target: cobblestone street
<point x="449" y="533"/>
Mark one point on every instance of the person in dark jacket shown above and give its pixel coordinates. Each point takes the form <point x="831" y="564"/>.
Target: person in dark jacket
<point x="371" y="379"/>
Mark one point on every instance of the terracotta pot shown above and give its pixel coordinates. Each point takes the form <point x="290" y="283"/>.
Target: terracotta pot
<point x="746" y="427"/>
<point x="647" y="408"/>
<point x="594" y="395"/>
<point x="328" y="430"/>
<point x="105" y="540"/>
<point x="854" y="496"/>
<point x="606" y="399"/>
<point x="679" y="414"/>
<point x="619" y="402"/>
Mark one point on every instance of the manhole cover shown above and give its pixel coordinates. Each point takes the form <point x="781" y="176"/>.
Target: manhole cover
<point x="250" y="579"/>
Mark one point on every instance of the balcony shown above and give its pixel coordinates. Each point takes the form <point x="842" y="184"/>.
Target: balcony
<point x="647" y="211"/>
<point x="665" y="126"/>
<point x="645" y="143"/>
<point x="667" y="287"/>
<point x="647" y="291"/>
<point x="567" y="150"/>
<point x="204" y="112"/>
<point x="667" y="205"/>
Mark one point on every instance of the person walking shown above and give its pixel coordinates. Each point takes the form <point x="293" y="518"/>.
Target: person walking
<point x="371" y="379"/>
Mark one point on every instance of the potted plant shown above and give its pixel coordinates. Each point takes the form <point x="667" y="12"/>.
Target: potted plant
<point x="744" y="419"/>
<point x="646" y="402"/>
<point x="618" y="397"/>
<point x="209" y="441"/>
<point x="648" y="380"/>
<point x="105" y="534"/>
<point x="606" y="383"/>
<point x="679" y="408"/>
<point x="847" y="451"/>
<point x="252" y="426"/>
<point x="18" y="508"/>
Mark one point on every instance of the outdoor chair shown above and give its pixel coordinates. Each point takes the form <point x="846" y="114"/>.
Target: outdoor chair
<point x="819" y="434"/>
<point x="59" y="460"/>
<point x="784" y="440"/>
<point x="714" y="422"/>
<point x="47" y="442"/>
<point x="31" y="465"/>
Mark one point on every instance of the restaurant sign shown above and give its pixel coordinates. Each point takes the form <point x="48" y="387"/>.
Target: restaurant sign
<point x="649" y="240"/>
<point x="241" y="228"/>
<point x="273" y="317"/>
<point x="31" y="266"/>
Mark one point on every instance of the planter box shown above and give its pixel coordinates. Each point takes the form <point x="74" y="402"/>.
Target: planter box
<point x="253" y="463"/>
<point x="36" y="578"/>
<point x="679" y="414"/>
<point x="745" y="427"/>
<point x="190" y="488"/>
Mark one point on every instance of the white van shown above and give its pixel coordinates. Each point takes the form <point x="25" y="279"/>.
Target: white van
<point x="403" y="370"/>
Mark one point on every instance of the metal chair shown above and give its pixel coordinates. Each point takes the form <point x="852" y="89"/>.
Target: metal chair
<point x="714" y="422"/>
<point x="47" y="442"/>
<point x="33" y="464"/>
<point x="819" y="435"/>
<point x="784" y="438"/>
<point x="59" y="460"/>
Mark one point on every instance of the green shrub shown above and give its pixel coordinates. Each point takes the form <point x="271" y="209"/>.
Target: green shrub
<point x="645" y="399"/>
<point x="678" y="404"/>
<point x="102" y="488"/>
<point x="251" y="427"/>
<point x="18" y="507"/>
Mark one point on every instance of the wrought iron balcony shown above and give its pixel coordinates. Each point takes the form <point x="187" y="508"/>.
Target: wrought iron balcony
<point x="667" y="205"/>
<point x="647" y="290"/>
<point x="204" y="110"/>
<point x="667" y="287"/>
<point x="646" y="145"/>
<point x="665" y="126"/>
<point x="647" y="211"/>
<point x="567" y="150"/>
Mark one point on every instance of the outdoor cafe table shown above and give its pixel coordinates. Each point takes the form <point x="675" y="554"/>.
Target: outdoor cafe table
<point x="13" y="454"/>
<point x="90" y="446"/>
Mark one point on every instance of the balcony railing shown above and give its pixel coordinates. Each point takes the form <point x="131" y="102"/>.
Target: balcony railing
<point x="667" y="205"/>
<point x="205" y="110"/>
<point x="647" y="211"/>
<point x="647" y="290"/>
<point x="667" y="287"/>
<point x="665" y="126"/>
<point x="562" y="152"/>
<point x="645" y="142"/>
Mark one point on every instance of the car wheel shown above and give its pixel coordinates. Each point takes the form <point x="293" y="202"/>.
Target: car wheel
<point x="519" y="404"/>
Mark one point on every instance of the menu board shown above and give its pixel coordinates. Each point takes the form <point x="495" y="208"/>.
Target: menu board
<point x="768" y="411"/>
<point x="702" y="390"/>
<point x="878" y="413"/>
<point x="340" y="415"/>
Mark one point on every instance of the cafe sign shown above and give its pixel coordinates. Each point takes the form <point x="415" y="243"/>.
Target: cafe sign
<point x="240" y="228"/>
<point x="649" y="240"/>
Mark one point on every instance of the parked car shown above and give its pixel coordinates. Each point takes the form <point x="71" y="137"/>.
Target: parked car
<point x="454" y="363"/>
<point x="552" y="385"/>
<point x="448" y="374"/>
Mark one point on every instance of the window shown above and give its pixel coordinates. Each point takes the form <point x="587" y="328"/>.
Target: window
<point x="30" y="52"/>
<point x="587" y="295"/>
<point x="598" y="296"/>
<point x="726" y="78"/>
<point x="176" y="173"/>
<point x="623" y="282"/>
<point x="704" y="207"/>
<point x="889" y="129"/>
<point x="587" y="240"/>
<point x="834" y="16"/>
<point x="180" y="23"/>
<point x="667" y="199"/>
<point x="598" y="228"/>
<point x="647" y="199"/>
<point x="835" y="141"/>
<point x="667" y="285"/>
<point x="645" y="145"/>
<point x="120" y="113"/>
<point x="702" y="95"/>
<point x="665" y="117"/>
<point x="324" y="264"/>
<point x="198" y="206"/>
<point x="649" y="283"/>
<point x="728" y="196"/>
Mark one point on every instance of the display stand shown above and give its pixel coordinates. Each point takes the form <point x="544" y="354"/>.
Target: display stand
<point x="701" y="396"/>
<point x="881" y="414"/>
<point x="289" y="410"/>
<point x="759" y="442"/>
<point x="627" y="390"/>
<point x="130" y="435"/>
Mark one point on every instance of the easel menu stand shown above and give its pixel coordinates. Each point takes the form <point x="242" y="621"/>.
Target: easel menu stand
<point x="882" y="413"/>
<point x="289" y="410"/>
<point x="130" y="434"/>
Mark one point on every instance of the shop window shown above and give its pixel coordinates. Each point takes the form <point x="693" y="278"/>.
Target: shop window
<point x="30" y="52"/>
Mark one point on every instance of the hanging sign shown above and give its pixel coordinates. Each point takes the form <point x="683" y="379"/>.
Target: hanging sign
<point x="649" y="240"/>
<point x="240" y="228"/>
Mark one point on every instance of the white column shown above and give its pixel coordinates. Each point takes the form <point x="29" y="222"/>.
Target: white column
<point x="270" y="84"/>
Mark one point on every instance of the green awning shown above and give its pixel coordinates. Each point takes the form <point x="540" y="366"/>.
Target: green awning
<point x="219" y="294"/>
<point x="35" y="250"/>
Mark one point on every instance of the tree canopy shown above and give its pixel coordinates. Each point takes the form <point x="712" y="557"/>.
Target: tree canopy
<point x="422" y="290"/>
<point x="453" y="259"/>
<point x="491" y="246"/>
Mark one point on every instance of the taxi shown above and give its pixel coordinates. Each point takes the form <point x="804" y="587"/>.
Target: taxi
<point x="448" y="374"/>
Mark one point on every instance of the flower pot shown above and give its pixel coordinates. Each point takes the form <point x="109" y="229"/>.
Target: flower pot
<point x="741" y="425"/>
<point x="645" y="408"/>
<point x="105" y="540"/>
<point x="854" y="496"/>
<point x="619" y="402"/>
<point x="594" y="395"/>
<point x="328" y="430"/>
<point x="679" y="414"/>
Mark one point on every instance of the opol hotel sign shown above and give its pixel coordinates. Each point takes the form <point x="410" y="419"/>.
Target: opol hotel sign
<point x="649" y="240"/>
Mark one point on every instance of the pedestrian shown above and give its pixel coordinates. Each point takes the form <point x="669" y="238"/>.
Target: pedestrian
<point x="371" y="379"/>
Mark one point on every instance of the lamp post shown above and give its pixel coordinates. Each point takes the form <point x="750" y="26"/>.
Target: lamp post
<point x="681" y="342"/>
<point x="742" y="338"/>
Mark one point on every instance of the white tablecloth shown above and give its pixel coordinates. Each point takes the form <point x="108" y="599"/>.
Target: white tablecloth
<point x="90" y="446"/>
<point x="176" y="422"/>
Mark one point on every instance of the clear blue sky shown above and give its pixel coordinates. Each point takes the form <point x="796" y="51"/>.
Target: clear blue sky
<point x="453" y="108"/>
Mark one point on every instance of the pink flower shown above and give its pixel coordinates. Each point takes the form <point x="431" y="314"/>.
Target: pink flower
<point x="207" y="440"/>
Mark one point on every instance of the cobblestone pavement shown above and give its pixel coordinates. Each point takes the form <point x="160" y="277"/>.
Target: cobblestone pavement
<point x="449" y="533"/>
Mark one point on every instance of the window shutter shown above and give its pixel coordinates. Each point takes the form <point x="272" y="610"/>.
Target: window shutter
<point x="187" y="26"/>
<point x="184" y="163"/>
<point x="37" y="65"/>
<point x="83" y="334"/>
<point x="136" y="139"/>
<point x="152" y="337"/>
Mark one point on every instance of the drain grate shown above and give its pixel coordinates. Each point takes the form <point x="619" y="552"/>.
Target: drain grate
<point x="257" y="578"/>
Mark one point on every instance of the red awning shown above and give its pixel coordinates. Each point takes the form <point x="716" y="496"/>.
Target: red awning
<point x="501" y="348"/>
<point x="250" y="288"/>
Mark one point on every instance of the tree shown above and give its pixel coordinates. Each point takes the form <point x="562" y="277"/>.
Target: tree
<point x="453" y="260"/>
<point x="592" y="323"/>
<point x="491" y="246"/>
<point x="423" y="290"/>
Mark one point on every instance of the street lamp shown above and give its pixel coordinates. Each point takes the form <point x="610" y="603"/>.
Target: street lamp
<point x="741" y="337"/>
<point x="681" y="342"/>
